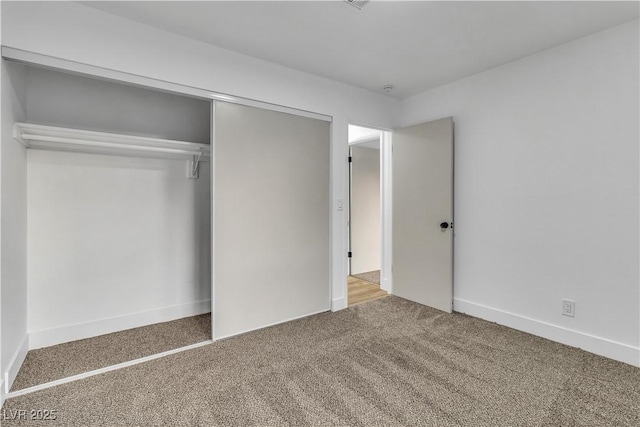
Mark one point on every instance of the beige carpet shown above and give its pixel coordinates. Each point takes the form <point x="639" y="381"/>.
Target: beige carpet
<point x="369" y="276"/>
<point x="63" y="360"/>
<point x="388" y="362"/>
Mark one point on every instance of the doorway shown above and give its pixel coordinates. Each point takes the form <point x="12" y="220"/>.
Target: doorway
<point x="416" y="204"/>
<point x="365" y="215"/>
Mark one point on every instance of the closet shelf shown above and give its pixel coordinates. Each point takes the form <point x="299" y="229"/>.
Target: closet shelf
<point x="66" y="139"/>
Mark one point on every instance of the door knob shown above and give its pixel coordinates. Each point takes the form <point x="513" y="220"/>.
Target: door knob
<point x="444" y="225"/>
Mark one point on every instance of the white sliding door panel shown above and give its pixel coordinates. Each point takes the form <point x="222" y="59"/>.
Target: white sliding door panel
<point x="271" y="218"/>
<point x="423" y="212"/>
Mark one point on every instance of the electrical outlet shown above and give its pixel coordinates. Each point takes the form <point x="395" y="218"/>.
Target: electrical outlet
<point x="568" y="308"/>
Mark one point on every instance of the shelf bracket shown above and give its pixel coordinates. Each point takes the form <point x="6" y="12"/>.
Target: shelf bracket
<point x="17" y="135"/>
<point x="193" y="166"/>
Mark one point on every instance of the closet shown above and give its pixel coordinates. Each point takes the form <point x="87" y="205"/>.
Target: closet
<point x="165" y="216"/>
<point x="118" y="224"/>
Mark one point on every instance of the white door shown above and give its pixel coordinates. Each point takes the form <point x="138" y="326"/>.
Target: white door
<point x="271" y="239"/>
<point x="423" y="213"/>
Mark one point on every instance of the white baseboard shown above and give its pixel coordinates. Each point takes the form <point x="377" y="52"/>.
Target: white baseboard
<point x="591" y="343"/>
<point x="385" y="285"/>
<point x="48" y="337"/>
<point x="14" y="365"/>
<point x="339" y="304"/>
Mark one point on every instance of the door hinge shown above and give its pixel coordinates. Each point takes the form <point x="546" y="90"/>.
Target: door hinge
<point x="348" y="254"/>
<point x="350" y="159"/>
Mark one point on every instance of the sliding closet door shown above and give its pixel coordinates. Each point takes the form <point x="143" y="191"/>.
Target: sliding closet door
<point x="271" y="218"/>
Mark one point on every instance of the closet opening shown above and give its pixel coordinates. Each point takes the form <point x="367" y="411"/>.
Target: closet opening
<point x="365" y="223"/>
<point x="114" y="256"/>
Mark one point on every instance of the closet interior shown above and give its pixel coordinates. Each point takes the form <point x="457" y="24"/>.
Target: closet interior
<point x="106" y="193"/>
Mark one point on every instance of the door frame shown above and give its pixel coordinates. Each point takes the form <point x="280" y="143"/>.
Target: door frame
<point x="386" y="208"/>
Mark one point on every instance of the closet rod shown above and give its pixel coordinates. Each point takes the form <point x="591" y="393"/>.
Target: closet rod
<point x="84" y="142"/>
<point x="54" y="138"/>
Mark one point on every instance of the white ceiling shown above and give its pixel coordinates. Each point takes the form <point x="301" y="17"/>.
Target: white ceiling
<point x="413" y="45"/>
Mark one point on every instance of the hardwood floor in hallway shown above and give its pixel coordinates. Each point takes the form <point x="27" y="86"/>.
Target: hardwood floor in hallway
<point x="362" y="291"/>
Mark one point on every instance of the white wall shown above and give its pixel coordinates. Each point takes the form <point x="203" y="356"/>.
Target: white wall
<point x="2" y="78"/>
<point x="546" y="191"/>
<point x="72" y="31"/>
<point x="366" y="231"/>
<point x="60" y="99"/>
<point x="113" y="242"/>
<point x="13" y="225"/>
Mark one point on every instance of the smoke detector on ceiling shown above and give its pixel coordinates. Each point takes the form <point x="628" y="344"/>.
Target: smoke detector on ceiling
<point x="358" y="4"/>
